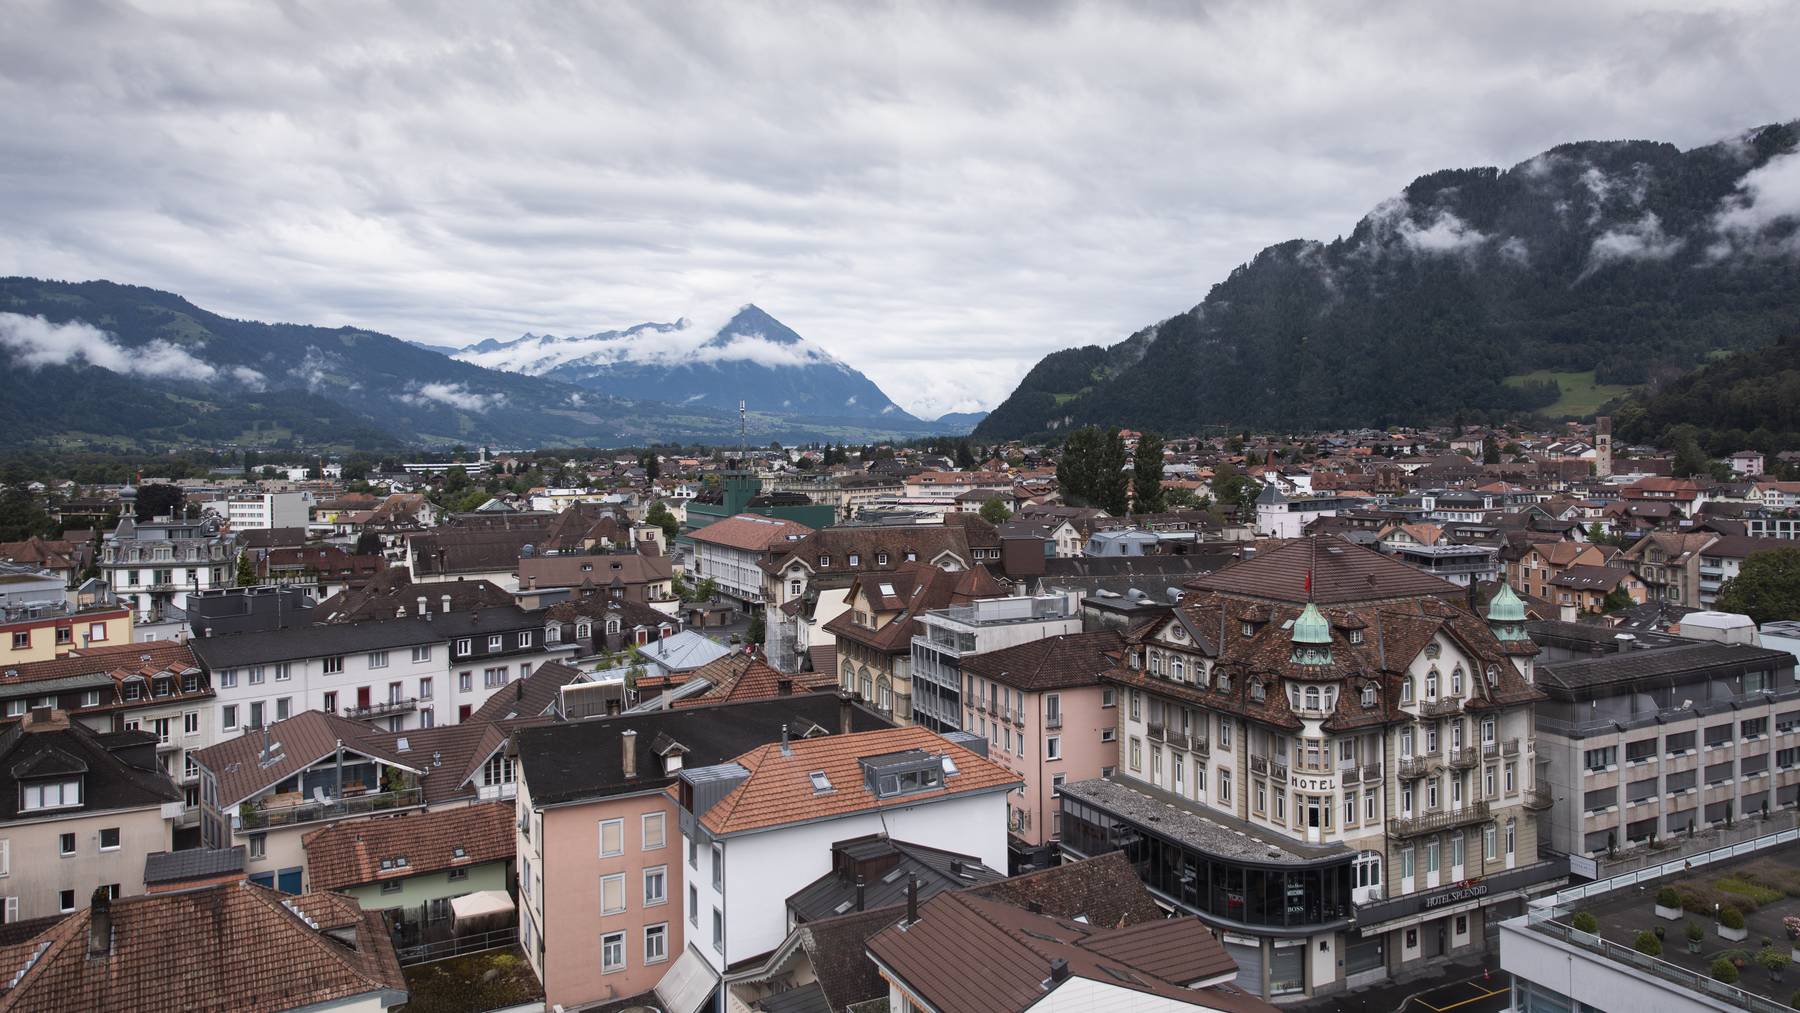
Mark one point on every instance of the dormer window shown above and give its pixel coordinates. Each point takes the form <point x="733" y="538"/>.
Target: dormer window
<point x="881" y="559"/>
<point x="1368" y="696"/>
<point x="50" y="795"/>
<point x="1493" y="675"/>
<point x="1256" y="690"/>
<point x="824" y="561"/>
<point x="553" y="634"/>
<point x="911" y="556"/>
<point x="1312" y="698"/>
<point x="1249" y="629"/>
<point x="1406" y="690"/>
<point x="612" y="626"/>
<point x="855" y="559"/>
<point x="1356" y="636"/>
<point x="584" y="630"/>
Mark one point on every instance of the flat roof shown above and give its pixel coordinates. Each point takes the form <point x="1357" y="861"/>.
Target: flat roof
<point x="1207" y="830"/>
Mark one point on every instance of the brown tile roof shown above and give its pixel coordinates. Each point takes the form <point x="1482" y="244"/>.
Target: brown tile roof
<point x="295" y="744"/>
<point x="918" y="588"/>
<point x="779" y="788"/>
<point x="529" y="697"/>
<point x="601" y="570"/>
<point x="969" y="954"/>
<point x="1341" y="571"/>
<point x="393" y="589"/>
<point x="1073" y="659"/>
<point x="743" y="676"/>
<point x="226" y="948"/>
<point x="118" y="659"/>
<point x="350" y="854"/>
<point x="925" y="542"/>
<point x="751" y="532"/>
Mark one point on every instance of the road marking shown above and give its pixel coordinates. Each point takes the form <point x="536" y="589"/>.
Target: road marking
<point x="1484" y="995"/>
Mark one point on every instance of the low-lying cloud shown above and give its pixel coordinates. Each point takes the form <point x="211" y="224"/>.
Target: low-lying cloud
<point x="1643" y="239"/>
<point x="1764" y="216"/>
<point x="36" y="342"/>
<point x="454" y="395"/>
<point x="687" y="341"/>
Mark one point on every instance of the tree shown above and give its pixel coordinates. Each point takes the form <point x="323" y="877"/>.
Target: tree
<point x="965" y="458"/>
<point x="1766" y="588"/>
<point x="21" y="516"/>
<point x="1231" y="486"/>
<point x="707" y="589"/>
<point x="1112" y="489"/>
<point x="368" y="544"/>
<point x="1147" y="475"/>
<point x="754" y="635"/>
<point x="994" y="511"/>
<point x="155" y="500"/>
<point x="1689" y="460"/>
<point x="1616" y="599"/>
<point x="659" y="515"/>
<point x="652" y="466"/>
<point x="1596" y="533"/>
<point x="1076" y="469"/>
<point x="246" y="571"/>
<point x="1179" y="498"/>
<point x="1490" y="451"/>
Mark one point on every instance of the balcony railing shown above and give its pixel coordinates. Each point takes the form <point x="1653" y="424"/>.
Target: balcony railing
<point x="254" y="817"/>
<point x="1431" y="823"/>
<point x="1154" y="729"/>
<point x="1539" y="799"/>
<point x="1463" y="759"/>
<point x="386" y="708"/>
<point x="1350" y="775"/>
<point x="1177" y="740"/>
<point x="1201" y="746"/>
<point x="1412" y="767"/>
<point x="1278" y="770"/>
<point x="1259" y="765"/>
<point x="1510" y="747"/>
<point x="1442" y="707"/>
<point x="1371" y="772"/>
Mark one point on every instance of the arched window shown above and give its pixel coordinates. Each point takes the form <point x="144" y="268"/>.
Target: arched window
<point x="1312" y="698"/>
<point x="1176" y="669"/>
<point x="1155" y="662"/>
<point x="1368" y="695"/>
<point x="849" y="680"/>
<point x="885" y="694"/>
<point x="1431" y="684"/>
<point x="1493" y="675"/>
<point x="1456" y="681"/>
<point x="868" y="686"/>
<point x="1224" y="682"/>
<point x="553" y="633"/>
<point x="1256" y="689"/>
<point x="612" y="626"/>
<point x="586" y="630"/>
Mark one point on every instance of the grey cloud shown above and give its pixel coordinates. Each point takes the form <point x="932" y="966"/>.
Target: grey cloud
<point x="937" y="194"/>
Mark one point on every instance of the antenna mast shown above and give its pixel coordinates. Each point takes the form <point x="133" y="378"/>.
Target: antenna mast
<point x="743" y="436"/>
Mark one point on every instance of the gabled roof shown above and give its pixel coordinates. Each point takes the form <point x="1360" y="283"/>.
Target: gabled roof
<point x="1341" y="571"/>
<point x="293" y="745"/>
<point x="917" y="588"/>
<point x="43" y="747"/>
<point x="779" y="789"/>
<point x="530" y="697"/>
<point x="412" y="844"/>
<point x="893" y="864"/>
<point x="743" y="676"/>
<point x="231" y="947"/>
<point x="751" y="532"/>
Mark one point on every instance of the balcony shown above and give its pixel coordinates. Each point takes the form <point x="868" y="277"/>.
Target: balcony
<point x="1154" y="729"/>
<point x="251" y="816"/>
<point x="1431" y="823"/>
<point x="1411" y="768"/>
<point x="1490" y="750"/>
<point x="1350" y="775"/>
<point x="1053" y="719"/>
<point x="1201" y="747"/>
<point x="1278" y="770"/>
<point x="384" y="709"/>
<point x="1177" y="740"/>
<point x="1259" y="765"/>
<point x="1440" y="708"/>
<point x="1371" y="772"/>
<point x="1539" y="799"/>
<point x="1464" y="758"/>
<point x="1510" y="747"/>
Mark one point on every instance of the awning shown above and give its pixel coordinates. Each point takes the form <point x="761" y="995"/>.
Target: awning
<point x="481" y="904"/>
<point x="688" y="984"/>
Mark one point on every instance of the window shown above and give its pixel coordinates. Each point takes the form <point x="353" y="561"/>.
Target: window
<point x="1136" y="706"/>
<point x="227" y="680"/>
<point x="612" y="838"/>
<point x="392" y="886"/>
<point x="656" y="943"/>
<point x="1600" y="759"/>
<point x="1137" y="754"/>
<point x="228" y="716"/>
<point x="65" y="635"/>
<point x="464" y="647"/>
<point x="425" y="688"/>
<point x="1108" y="697"/>
<point x="109" y="838"/>
<point x="653" y="830"/>
<point x="190" y="723"/>
<point x="1488" y="849"/>
<point x="1225" y="786"/>
<point x="258" y="845"/>
<point x="493" y="678"/>
<point x="612" y="952"/>
<point x="67" y="901"/>
<point x="693" y="905"/>
<point x="378" y="659"/>
<point x="21" y="640"/>
<point x="1512" y="774"/>
<point x="65" y="845"/>
<point x="334" y="665"/>
<point x="524" y="639"/>
<point x="1109" y="735"/>
<point x="718" y="867"/>
<point x="420" y="655"/>
<point x="1406" y="863"/>
<point x="496" y="642"/>
<point x="465" y="681"/>
<point x="1225" y="732"/>
<point x="256" y="714"/>
<point x="656" y="886"/>
<point x="1406" y="690"/>
<point x="612" y="893"/>
<point x="54" y="795"/>
<point x="1053" y="747"/>
<point x="718" y="930"/>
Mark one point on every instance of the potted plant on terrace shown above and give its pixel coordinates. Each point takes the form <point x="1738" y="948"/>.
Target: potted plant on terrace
<point x="1774" y="961"/>
<point x="1668" y="904"/>
<point x="1695" y="935"/>
<point x="1647" y="943"/>
<point x="1585" y="923"/>
<point x="1731" y="925"/>
<point x="1723" y="970"/>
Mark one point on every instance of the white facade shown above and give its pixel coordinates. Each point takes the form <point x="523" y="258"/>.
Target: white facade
<point x="762" y="869"/>
<point x="402" y="687"/>
<point x="262" y="511"/>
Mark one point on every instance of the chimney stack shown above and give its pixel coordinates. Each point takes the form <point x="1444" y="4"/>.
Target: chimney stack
<point x="100" y="928"/>
<point x="912" y="900"/>
<point x="784" y="686"/>
<point x="844" y="712"/>
<point x="860" y="893"/>
<point x="1059" y="970"/>
<point x="786" y="750"/>
<point x="628" y="753"/>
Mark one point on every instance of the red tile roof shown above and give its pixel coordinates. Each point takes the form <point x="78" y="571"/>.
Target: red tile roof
<point x="751" y="532"/>
<point x="350" y="854"/>
<point x="779" y="789"/>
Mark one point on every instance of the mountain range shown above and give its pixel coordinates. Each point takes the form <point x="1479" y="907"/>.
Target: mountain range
<point x="101" y="364"/>
<point x="1478" y="293"/>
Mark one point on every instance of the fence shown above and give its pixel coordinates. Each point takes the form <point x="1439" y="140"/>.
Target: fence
<point x="447" y="948"/>
<point x="1750" y="827"/>
<point x="1681" y="976"/>
<point x="1671" y="867"/>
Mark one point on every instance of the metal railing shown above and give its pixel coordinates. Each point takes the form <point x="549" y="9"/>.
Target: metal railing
<point x="1412" y="767"/>
<point x="1539" y="798"/>
<point x="1463" y="758"/>
<point x="1693" y="981"/>
<point x="1442" y="707"/>
<point x="1430" y="823"/>
<point x="265" y="817"/>
<point x="458" y="946"/>
<point x="385" y="708"/>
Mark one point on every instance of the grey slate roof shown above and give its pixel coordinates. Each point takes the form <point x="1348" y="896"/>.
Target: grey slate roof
<point x="315" y="642"/>
<point x="194" y="863"/>
<point x="823" y="897"/>
<point x="1660" y="663"/>
<point x="1210" y="831"/>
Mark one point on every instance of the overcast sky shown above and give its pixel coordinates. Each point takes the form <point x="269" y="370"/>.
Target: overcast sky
<point x="938" y="195"/>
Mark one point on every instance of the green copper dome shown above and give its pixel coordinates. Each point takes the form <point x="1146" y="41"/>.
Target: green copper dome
<point x="1506" y="607"/>
<point x="1311" y="627"/>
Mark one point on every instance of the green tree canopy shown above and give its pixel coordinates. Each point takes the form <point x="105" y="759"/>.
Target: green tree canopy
<point x="1147" y="475"/>
<point x="994" y="511"/>
<point x="156" y="500"/>
<point x="1766" y="588"/>
<point x="659" y="515"/>
<point x="368" y="544"/>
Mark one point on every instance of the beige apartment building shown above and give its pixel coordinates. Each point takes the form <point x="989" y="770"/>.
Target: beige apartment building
<point x="1329" y="759"/>
<point x="79" y="810"/>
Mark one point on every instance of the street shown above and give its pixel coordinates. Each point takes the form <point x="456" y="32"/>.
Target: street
<point x="1469" y="995"/>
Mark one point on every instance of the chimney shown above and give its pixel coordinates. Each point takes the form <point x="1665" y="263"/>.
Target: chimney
<point x="844" y="712"/>
<point x="628" y="753"/>
<point x="1059" y="970"/>
<point x="100" y="927"/>
<point x="1035" y="907"/>
<point x="786" y="750"/>
<point x="531" y="582"/>
<point x="860" y="893"/>
<point x="445" y="601"/>
<point x="912" y="900"/>
<point x="784" y="686"/>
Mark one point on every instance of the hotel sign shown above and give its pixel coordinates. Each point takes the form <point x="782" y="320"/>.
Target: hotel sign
<point x="1301" y="782"/>
<point x="1468" y="889"/>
